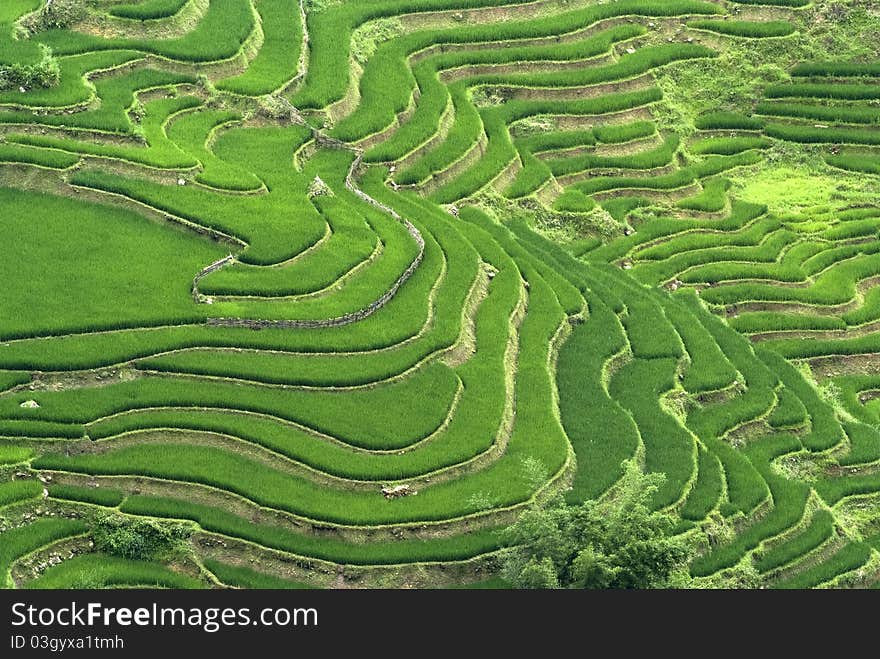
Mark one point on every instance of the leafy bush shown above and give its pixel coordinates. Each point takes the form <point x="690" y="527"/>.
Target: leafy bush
<point x="56" y="15"/>
<point x="44" y="73"/>
<point x="618" y="543"/>
<point x="138" y="538"/>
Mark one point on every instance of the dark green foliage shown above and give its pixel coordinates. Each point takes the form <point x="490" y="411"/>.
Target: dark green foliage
<point x="44" y="73"/>
<point x="618" y="543"/>
<point x="138" y="538"/>
<point x="56" y="15"/>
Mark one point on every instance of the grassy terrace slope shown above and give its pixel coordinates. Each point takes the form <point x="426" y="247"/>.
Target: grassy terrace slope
<point x="275" y="258"/>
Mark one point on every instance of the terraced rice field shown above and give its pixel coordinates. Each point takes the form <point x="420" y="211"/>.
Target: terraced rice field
<point x="268" y="258"/>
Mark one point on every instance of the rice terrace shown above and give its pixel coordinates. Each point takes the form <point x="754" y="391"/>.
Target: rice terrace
<point x="336" y="293"/>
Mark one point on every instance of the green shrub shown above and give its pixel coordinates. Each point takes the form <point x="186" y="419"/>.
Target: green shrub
<point x="615" y="543"/>
<point x="138" y="538"/>
<point x="56" y="15"/>
<point x="44" y="73"/>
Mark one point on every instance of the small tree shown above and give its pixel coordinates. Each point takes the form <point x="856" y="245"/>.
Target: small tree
<point x="615" y="543"/>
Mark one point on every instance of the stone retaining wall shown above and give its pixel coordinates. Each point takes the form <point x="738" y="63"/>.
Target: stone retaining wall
<point x="204" y="272"/>
<point x="352" y="317"/>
